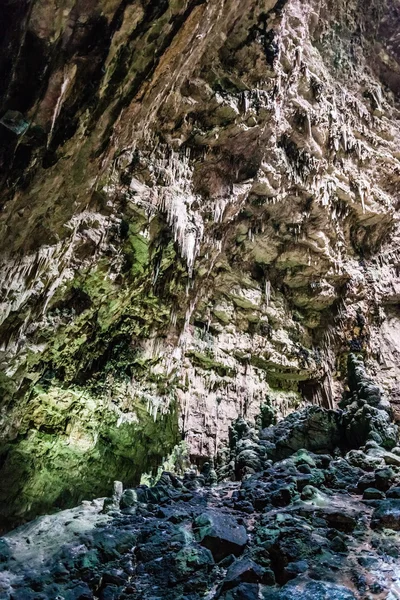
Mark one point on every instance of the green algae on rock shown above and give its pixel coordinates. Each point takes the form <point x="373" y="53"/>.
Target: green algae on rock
<point x="76" y="442"/>
<point x="199" y="208"/>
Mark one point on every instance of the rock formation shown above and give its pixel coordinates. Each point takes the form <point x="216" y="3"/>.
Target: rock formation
<point x="307" y="514"/>
<point x="199" y="217"/>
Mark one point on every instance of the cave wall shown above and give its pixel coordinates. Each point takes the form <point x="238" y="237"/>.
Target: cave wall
<point x="199" y="215"/>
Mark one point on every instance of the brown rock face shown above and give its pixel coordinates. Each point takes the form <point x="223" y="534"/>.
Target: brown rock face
<point x="199" y="216"/>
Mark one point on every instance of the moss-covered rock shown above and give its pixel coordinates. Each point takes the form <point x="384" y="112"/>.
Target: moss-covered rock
<point x="73" y="445"/>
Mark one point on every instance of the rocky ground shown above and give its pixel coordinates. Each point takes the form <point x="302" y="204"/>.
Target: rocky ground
<point x="306" y="509"/>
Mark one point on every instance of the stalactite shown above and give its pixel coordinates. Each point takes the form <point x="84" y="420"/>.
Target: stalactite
<point x="267" y="292"/>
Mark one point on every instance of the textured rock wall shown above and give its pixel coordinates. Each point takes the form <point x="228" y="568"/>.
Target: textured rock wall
<point x="199" y="216"/>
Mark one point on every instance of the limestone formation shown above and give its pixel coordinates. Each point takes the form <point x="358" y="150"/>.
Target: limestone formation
<point x="199" y="217"/>
<point x="285" y="529"/>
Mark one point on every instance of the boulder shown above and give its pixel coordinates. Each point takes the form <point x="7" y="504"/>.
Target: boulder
<point x="246" y="570"/>
<point x="295" y="590"/>
<point x="294" y="569"/>
<point x="366" y="481"/>
<point x="373" y="494"/>
<point x="393" y="492"/>
<point x="129" y="498"/>
<point x="249" y="591"/>
<point x="247" y="461"/>
<point x="361" y="384"/>
<point x="338" y="544"/>
<point x="384" y="478"/>
<point x="358" y="458"/>
<point x="221" y="534"/>
<point x="387" y="515"/>
<point x="190" y="559"/>
<point x="342" y="475"/>
<point x="314" y="590"/>
<point x="342" y="520"/>
<point x="312" y="428"/>
<point x="361" y="423"/>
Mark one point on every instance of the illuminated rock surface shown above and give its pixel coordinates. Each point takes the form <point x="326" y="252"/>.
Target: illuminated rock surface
<point x="199" y="216"/>
<point x="303" y="527"/>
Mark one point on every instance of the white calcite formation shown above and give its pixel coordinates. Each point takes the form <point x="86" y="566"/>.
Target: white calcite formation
<point x="200" y="218"/>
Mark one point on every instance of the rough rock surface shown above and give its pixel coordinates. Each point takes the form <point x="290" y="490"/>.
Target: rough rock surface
<point x="296" y="528"/>
<point x="199" y="213"/>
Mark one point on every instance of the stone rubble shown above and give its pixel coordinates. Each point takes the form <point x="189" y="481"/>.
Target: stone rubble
<point x="308" y="514"/>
